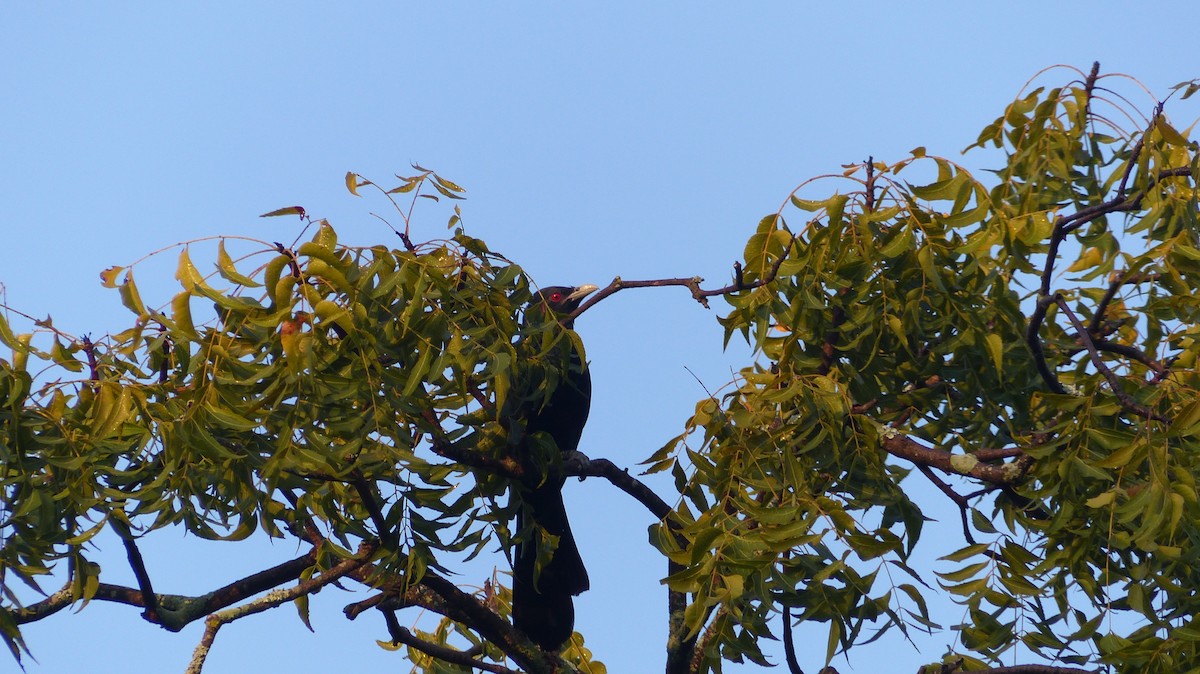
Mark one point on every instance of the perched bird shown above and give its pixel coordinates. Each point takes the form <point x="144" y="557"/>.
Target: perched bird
<point x="543" y="607"/>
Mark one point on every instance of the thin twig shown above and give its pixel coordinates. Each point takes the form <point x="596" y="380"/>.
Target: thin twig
<point x="693" y="284"/>
<point x="959" y="499"/>
<point x="401" y="635"/>
<point x="367" y="495"/>
<point x="1064" y="225"/>
<point x="269" y="601"/>
<point x="1113" y="381"/>
<point x="1029" y="669"/>
<point x="1115" y="282"/>
<point x="621" y="479"/>
<point x="870" y="185"/>
<point x="138" y="566"/>
<point x="789" y="646"/>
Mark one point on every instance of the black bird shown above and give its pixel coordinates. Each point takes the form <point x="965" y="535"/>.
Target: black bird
<point x="543" y="607"/>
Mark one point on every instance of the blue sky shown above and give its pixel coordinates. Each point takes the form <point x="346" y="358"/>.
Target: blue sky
<point x="643" y="140"/>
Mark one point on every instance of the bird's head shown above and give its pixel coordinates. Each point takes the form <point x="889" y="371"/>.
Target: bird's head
<point x="561" y="301"/>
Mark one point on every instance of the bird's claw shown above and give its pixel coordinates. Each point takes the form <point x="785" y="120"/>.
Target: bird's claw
<point x="575" y="462"/>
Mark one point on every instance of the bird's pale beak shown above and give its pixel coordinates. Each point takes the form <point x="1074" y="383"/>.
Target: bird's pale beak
<point x="582" y="292"/>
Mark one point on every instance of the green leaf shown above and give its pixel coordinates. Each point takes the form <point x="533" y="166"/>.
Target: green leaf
<point x="1169" y="133"/>
<point x="7" y="337"/>
<point x="181" y="316"/>
<point x="186" y="273"/>
<point x="900" y="243"/>
<point x="440" y="186"/>
<point x="130" y="296"/>
<point x="966" y="572"/>
<point x="981" y="523"/>
<point x="965" y="553"/>
<point x="228" y="418"/>
<point x="229" y="272"/>
<point x="1122" y="456"/>
<point x="995" y="348"/>
<point x="287" y="210"/>
<point x="941" y="190"/>
<point x="832" y="641"/>
<point x="1186" y="422"/>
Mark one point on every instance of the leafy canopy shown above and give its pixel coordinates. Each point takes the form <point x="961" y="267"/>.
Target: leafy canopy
<point x="1027" y="344"/>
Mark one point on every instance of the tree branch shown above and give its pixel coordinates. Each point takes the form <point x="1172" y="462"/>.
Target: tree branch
<point x="959" y="499"/>
<point x="137" y="565"/>
<point x="175" y="611"/>
<point x="1115" y="281"/>
<point x="789" y="646"/>
<point x="681" y="649"/>
<point x="1066" y="224"/>
<point x="693" y="284"/>
<point x="443" y="653"/>
<point x="621" y="479"/>
<point x="505" y="466"/>
<point x="1029" y="669"/>
<point x="445" y="598"/>
<point x="311" y="586"/>
<point x="1114" y="382"/>
<point x="1033" y="337"/>
<point x="1132" y="353"/>
<point x="901" y="446"/>
<point x="702" y="640"/>
<point x="366" y="494"/>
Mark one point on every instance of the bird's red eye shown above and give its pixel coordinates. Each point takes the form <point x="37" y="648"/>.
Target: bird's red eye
<point x="556" y="297"/>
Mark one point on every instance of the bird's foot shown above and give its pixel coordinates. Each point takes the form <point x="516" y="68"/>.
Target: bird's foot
<point x="576" y="462"/>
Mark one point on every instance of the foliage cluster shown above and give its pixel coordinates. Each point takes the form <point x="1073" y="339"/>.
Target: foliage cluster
<point x="1028" y="345"/>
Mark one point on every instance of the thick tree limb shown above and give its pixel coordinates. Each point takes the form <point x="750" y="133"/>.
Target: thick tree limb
<point x="681" y="649"/>
<point x="904" y="447"/>
<point x="176" y="611"/>
<point x="269" y="601"/>
<point x="621" y="479"/>
<point x="696" y="664"/>
<point x="1029" y="669"/>
<point x="443" y="597"/>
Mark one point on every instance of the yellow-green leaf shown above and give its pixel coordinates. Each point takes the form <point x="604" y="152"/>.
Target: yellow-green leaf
<point x="1101" y="500"/>
<point x="1169" y="133"/>
<point x="995" y="349"/>
<point x="108" y="277"/>
<point x="228" y="271"/>
<point x="187" y="274"/>
<point x="181" y="315"/>
<point x="287" y="210"/>
<point x="129" y="295"/>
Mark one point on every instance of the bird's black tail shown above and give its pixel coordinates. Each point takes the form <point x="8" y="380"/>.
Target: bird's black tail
<point x="543" y="607"/>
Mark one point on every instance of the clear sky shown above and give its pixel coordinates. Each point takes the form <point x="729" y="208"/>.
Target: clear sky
<point x="639" y="139"/>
